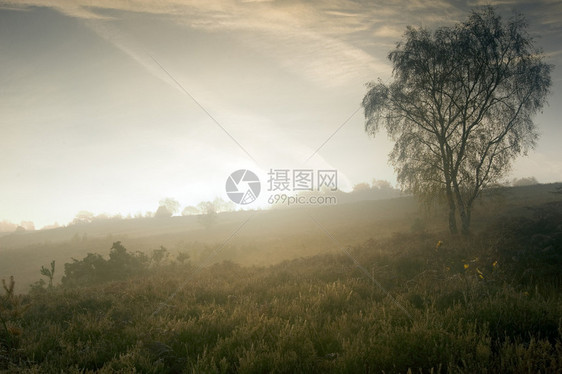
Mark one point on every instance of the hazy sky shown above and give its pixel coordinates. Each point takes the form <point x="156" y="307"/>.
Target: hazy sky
<point x="91" y="116"/>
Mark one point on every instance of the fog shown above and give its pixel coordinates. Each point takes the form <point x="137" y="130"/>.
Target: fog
<point x="270" y="186"/>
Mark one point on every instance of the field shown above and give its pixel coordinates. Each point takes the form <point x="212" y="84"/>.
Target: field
<point x="368" y="287"/>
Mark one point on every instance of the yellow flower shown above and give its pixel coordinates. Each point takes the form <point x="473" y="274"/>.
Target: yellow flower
<point x="466" y="266"/>
<point x="494" y="263"/>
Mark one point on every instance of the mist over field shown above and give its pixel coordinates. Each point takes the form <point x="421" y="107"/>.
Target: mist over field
<point x="291" y="187"/>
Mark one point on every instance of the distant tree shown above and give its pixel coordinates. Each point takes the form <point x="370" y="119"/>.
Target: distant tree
<point x="162" y="212"/>
<point x="528" y="181"/>
<point x="206" y="207"/>
<point x="361" y="187"/>
<point x="172" y="205"/>
<point x="190" y="211"/>
<point x="49" y="227"/>
<point x="6" y="226"/>
<point x="101" y="217"/>
<point x="28" y="225"/>
<point x="460" y="107"/>
<point x="83" y="216"/>
<point x="381" y="184"/>
<point x="221" y="205"/>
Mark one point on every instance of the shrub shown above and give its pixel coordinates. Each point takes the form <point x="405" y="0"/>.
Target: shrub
<point x="95" y="269"/>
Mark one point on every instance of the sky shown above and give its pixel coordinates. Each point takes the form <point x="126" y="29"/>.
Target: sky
<point x="110" y="106"/>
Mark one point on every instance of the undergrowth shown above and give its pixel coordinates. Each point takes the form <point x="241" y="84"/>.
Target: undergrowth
<point x="489" y="303"/>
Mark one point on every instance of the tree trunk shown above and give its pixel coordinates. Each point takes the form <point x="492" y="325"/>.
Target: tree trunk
<point x="452" y="212"/>
<point x="464" y="212"/>
<point x="465" y="221"/>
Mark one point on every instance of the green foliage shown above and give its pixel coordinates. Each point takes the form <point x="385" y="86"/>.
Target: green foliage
<point x="530" y="248"/>
<point x="284" y="235"/>
<point x="460" y="107"/>
<point x="182" y="257"/>
<point x="38" y="287"/>
<point x="49" y="273"/>
<point x="11" y="314"/>
<point x="311" y="315"/>
<point x="95" y="269"/>
<point x="159" y="255"/>
<point x="490" y="302"/>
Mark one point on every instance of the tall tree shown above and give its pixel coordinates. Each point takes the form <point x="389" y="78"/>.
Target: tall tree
<point x="459" y="107"/>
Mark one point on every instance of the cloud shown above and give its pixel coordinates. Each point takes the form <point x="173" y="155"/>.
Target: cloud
<point x="322" y="41"/>
<point x="302" y="39"/>
<point x="131" y="47"/>
<point x="331" y="43"/>
<point x="474" y="3"/>
<point x="392" y="32"/>
<point x="69" y="7"/>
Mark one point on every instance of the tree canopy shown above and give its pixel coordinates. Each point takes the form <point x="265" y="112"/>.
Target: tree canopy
<point x="460" y="107"/>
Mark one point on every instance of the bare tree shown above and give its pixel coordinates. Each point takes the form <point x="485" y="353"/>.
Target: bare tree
<point x="460" y="107"/>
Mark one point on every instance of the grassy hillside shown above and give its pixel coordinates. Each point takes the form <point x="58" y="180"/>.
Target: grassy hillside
<point x="267" y="238"/>
<point x="430" y="302"/>
<point x="361" y="291"/>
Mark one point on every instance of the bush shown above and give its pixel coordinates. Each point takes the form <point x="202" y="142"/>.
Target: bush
<point x="95" y="269"/>
<point x="466" y="311"/>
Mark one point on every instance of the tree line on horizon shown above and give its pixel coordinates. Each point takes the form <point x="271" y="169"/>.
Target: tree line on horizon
<point x="168" y="207"/>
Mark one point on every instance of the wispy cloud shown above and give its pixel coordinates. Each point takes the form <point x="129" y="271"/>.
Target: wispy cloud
<point x="330" y="42"/>
<point x="391" y="32"/>
<point x="323" y="41"/>
<point x="71" y="8"/>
